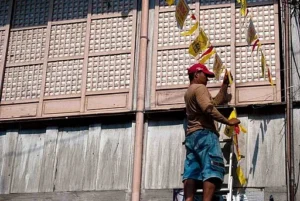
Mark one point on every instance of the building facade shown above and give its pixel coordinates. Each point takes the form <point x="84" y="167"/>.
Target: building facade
<point x="71" y="96"/>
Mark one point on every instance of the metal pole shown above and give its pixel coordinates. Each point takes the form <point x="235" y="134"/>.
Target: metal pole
<point x="289" y="133"/>
<point x="139" y="130"/>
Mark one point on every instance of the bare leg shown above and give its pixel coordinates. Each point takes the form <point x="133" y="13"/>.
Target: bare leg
<point x="208" y="190"/>
<point x="189" y="189"/>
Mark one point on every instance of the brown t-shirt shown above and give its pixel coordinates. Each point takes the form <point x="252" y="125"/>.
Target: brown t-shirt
<point x="200" y="108"/>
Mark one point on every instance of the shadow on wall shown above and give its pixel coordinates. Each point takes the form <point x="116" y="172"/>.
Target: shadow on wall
<point x="28" y="13"/>
<point x="295" y="50"/>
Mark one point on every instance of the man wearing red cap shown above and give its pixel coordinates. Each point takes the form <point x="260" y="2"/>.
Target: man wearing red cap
<point x="204" y="163"/>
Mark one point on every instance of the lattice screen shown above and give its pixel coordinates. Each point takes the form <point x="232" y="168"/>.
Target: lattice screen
<point x="107" y="6"/>
<point x="2" y="35"/>
<point x="22" y="82"/>
<point x="248" y="66"/>
<point x="218" y="26"/>
<point x="4" y="4"/>
<point x="69" y="9"/>
<point x="105" y="56"/>
<point x="108" y="72"/>
<point x="30" y="13"/>
<point x="171" y="67"/>
<point x="64" y="77"/>
<point x="169" y="33"/>
<point x="111" y="34"/>
<point x="67" y="40"/>
<point x="26" y="45"/>
<point x="263" y="20"/>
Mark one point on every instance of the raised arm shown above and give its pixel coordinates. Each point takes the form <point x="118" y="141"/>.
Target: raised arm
<point x="221" y="97"/>
<point x="207" y="106"/>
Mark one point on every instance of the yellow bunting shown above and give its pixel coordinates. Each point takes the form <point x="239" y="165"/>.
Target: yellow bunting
<point x="218" y="66"/>
<point x="243" y="8"/>
<point x="170" y="2"/>
<point x="238" y="152"/>
<point x="241" y="175"/>
<point x="270" y="77"/>
<point x="229" y="129"/>
<point x="256" y="43"/>
<point x="191" y="31"/>
<point x="263" y="63"/>
<point x="251" y="33"/>
<point x="243" y="129"/>
<point x="199" y="44"/>
<point x="229" y="76"/>
<point x="207" y="54"/>
<point x="182" y="11"/>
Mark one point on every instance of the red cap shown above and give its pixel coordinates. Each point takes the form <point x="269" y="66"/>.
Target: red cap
<point x="200" y="67"/>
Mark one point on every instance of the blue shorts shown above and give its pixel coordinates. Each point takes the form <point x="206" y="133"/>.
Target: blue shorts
<point x="204" y="158"/>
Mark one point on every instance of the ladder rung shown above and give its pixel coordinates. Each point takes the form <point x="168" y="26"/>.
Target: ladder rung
<point x="225" y="140"/>
<point x="222" y="190"/>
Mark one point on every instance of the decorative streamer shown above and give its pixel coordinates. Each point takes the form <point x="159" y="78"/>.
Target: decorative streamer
<point x="241" y="175"/>
<point x="207" y="54"/>
<point x="170" y="2"/>
<point x="270" y="77"/>
<point x="191" y="31"/>
<point x="263" y="63"/>
<point x="251" y="33"/>
<point x="182" y="11"/>
<point x="199" y="44"/>
<point x="218" y="66"/>
<point x="243" y="8"/>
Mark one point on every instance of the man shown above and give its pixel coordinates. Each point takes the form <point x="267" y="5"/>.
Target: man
<point x="204" y="163"/>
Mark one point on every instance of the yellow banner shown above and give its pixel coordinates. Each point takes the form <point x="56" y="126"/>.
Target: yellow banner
<point x="241" y="175"/>
<point x="182" y="11"/>
<point x="270" y="77"/>
<point x="218" y="66"/>
<point x="199" y="44"/>
<point x="238" y="152"/>
<point x="205" y="56"/>
<point x="251" y="33"/>
<point x="229" y="129"/>
<point x="243" y="8"/>
<point x="263" y="63"/>
<point x="191" y="31"/>
<point x="170" y="2"/>
<point x="229" y="76"/>
<point x="243" y="129"/>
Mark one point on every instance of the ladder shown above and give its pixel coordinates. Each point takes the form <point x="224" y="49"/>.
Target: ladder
<point x="225" y="193"/>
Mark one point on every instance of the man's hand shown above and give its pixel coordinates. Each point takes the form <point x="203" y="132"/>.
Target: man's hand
<point x="226" y="79"/>
<point x="234" y="121"/>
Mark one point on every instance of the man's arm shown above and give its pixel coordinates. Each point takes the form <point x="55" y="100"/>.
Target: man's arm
<point x="207" y="106"/>
<point x="221" y="97"/>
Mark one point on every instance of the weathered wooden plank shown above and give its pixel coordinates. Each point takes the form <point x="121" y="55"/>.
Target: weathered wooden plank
<point x="266" y="151"/>
<point x="71" y="152"/>
<point x="28" y="158"/>
<point x="69" y="196"/>
<point x="8" y="143"/>
<point x="295" y="57"/>
<point x="296" y="129"/>
<point x="164" y="154"/>
<point x="49" y="160"/>
<point x="92" y="157"/>
<point x="115" y="157"/>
